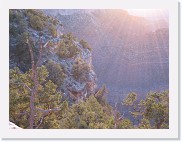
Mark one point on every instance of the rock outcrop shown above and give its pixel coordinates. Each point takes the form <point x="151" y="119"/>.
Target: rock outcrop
<point x="129" y="52"/>
<point x="13" y="126"/>
<point x="50" y="40"/>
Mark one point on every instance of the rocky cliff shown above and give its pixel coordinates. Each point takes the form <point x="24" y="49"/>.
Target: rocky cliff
<point x="130" y="53"/>
<point x="40" y="27"/>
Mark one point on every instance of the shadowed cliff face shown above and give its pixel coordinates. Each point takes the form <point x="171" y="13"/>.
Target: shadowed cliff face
<point x="56" y="54"/>
<point x="130" y="53"/>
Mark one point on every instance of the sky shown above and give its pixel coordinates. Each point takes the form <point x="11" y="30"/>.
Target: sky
<point x="151" y="13"/>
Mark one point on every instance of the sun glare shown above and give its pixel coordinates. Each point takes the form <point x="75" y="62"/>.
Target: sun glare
<point x="147" y="12"/>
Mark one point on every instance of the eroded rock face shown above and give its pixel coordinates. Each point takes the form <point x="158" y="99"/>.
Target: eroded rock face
<point x="70" y="84"/>
<point x="129" y="52"/>
<point x="13" y="126"/>
<point x="87" y="86"/>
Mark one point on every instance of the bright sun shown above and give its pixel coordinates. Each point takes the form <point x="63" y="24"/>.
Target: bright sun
<point x="147" y="12"/>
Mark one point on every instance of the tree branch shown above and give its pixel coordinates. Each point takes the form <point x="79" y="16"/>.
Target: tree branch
<point x="41" y="51"/>
<point x="24" y="84"/>
<point x="45" y="113"/>
<point x="48" y="110"/>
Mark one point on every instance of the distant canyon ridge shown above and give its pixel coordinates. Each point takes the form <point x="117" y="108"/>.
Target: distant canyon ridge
<point x="130" y="53"/>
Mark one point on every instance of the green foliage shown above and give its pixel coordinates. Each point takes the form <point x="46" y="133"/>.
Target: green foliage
<point x="92" y="113"/>
<point x="154" y="110"/>
<point x="100" y="95"/>
<point x="37" y="19"/>
<point x="144" y="124"/>
<point x="55" y="22"/>
<point x="36" y="22"/>
<point x="68" y="38"/>
<point x="62" y="50"/>
<point x="20" y="22"/>
<point x="130" y="99"/>
<point x="14" y="16"/>
<point x="17" y="24"/>
<point x="85" y="45"/>
<point x="49" y="97"/>
<point x="56" y="73"/>
<point x="87" y="114"/>
<point x="125" y="124"/>
<point x="66" y="47"/>
<point x="53" y="30"/>
<point x="21" y="54"/>
<point x="21" y="85"/>
<point x="42" y="16"/>
<point x="36" y="12"/>
<point x="80" y="70"/>
<point x="18" y="99"/>
<point x="50" y="44"/>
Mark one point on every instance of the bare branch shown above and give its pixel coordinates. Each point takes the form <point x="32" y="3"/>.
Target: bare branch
<point x="46" y="43"/>
<point x="45" y="113"/>
<point x="27" y="86"/>
<point x="24" y="84"/>
<point x="120" y="118"/>
<point x="41" y="51"/>
<point x="40" y="121"/>
<point x="48" y="110"/>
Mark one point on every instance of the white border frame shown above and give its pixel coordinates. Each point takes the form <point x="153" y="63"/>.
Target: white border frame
<point x="171" y="133"/>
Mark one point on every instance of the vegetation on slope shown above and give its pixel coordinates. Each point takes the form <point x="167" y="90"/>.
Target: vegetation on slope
<point x="36" y="100"/>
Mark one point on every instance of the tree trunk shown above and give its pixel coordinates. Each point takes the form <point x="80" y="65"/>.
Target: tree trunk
<point x="35" y="80"/>
<point x="35" y="88"/>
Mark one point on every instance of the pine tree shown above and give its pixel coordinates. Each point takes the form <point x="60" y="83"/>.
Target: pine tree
<point x="153" y="111"/>
<point x="85" y="45"/>
<point x="56" y="73"/>
<point x="39" y="98"/>
<point x="87" y="114"/>
<point x="46" y="101"/>
<point x="80" y="70"/>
